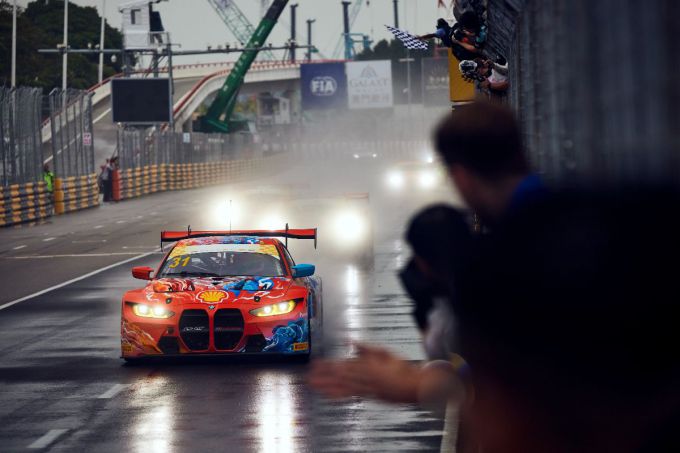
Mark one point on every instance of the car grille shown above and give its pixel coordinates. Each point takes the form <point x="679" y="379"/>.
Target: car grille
<point x="194" y="328"/>
<point x="228" y="328"/>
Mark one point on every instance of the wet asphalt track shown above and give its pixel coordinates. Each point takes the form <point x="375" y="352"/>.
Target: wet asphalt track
<point x="64" y="388"/>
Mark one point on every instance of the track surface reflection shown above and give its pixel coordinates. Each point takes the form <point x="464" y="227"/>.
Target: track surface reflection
<point x="64" y="388"/>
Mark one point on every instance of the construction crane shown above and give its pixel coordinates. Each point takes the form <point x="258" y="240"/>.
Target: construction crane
<point x="354" y="13"/>
<point x="238" y="23"/>
<point x="219" y="115"/>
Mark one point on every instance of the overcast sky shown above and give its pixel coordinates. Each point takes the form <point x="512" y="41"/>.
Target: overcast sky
<point x="194" y="24"/>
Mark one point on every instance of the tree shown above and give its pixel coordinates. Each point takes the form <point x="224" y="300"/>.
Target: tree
<point x="40" y="26"/>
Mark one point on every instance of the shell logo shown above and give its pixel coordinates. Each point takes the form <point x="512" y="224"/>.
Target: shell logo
<point x="212" y="296"/>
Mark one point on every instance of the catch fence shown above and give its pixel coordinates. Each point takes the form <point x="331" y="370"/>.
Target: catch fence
<point x="20" y="140"/>
<point x="137" y="148"/>
<point x="72" y="140"/>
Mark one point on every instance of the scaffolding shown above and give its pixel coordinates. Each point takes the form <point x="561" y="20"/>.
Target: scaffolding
<point x="238" y="23"/>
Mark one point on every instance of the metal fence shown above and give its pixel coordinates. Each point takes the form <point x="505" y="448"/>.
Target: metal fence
<point x="72" y="141"/>
<point x="20" y="140"/>
<point x="139" y="147"/>
<point x="596" y="101"/>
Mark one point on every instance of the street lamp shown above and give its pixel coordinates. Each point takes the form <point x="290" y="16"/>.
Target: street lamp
<point x="101" y="42"/>
<point x="309" y="38"/>
<point x="14" y="45"/>
<point x="408" y="60"/>
<point x="64" y="65"/>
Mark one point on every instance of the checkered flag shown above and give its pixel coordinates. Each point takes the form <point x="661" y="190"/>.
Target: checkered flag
<point x="410" y="42"/>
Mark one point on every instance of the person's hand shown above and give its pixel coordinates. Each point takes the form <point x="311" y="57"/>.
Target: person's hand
<point x="375" y="372"/>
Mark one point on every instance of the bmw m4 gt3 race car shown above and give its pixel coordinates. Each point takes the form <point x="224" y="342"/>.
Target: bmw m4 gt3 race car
<point x="219" y="292"/>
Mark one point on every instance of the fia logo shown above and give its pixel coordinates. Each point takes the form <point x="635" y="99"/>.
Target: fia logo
<point x="323" y="86"/>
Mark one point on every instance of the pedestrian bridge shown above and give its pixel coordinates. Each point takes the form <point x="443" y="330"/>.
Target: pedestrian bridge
<point x="193" y="84"/>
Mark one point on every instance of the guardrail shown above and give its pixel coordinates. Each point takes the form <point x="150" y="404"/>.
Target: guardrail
<point x="75" y="193"/>
<point x="21" y="203"/>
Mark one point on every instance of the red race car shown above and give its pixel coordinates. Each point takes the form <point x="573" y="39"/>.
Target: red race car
<point x="220" y="292"/>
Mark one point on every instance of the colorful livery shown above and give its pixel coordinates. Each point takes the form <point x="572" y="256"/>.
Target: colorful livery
<point x="223" y="293"/>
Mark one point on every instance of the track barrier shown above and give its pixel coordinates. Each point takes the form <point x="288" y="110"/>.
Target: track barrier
<point x="21" y="203"/>
<point x="75" y="193"/>
<point x="133" y="183"/>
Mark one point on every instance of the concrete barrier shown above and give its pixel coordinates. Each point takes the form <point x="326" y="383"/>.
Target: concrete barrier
<point x="21" y="203"/>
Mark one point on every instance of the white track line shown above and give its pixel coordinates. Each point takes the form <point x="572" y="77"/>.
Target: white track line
<point x="96" y="120"/>
<point x="48" y="239"/>
<point x="113" y="391"/>
<point x="47" y="439"/>
<point x="19" y="247"/>
<point x="77" y="279"/>
<point x="74" y="255"/>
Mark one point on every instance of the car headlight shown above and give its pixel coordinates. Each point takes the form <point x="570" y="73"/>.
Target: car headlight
<point x="151" y="311"/>
<point x="348" y="226"/>
<point x="395" y="179"/>
<point x="427" y="179"/>
<point x="280" y="308"/>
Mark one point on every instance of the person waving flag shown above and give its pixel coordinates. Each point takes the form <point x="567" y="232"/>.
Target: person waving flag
<point x="410" y="41"/>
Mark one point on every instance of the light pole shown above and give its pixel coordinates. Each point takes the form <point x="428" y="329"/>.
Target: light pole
<point x="14" y="45"/>
<point x="293" y="30"/>
<point x="309" y="38"/>
<point x="101" y="42"/>
<point x="64" y="65"/>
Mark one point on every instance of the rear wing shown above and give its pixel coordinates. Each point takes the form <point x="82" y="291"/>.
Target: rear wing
<point x="292" y="233"/>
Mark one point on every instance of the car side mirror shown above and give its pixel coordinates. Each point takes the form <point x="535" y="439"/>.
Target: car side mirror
<point x="142" y="272"/>
<point x="303" y="270"/>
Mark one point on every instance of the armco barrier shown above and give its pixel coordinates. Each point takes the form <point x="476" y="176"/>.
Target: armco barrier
<point x="22" y="203"/>
<point x="75" y="193"/>
<point x="132" y="183"/>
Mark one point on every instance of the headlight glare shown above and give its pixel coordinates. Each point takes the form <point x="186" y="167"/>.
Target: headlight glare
<point x="146" y="311"/>
<point x="281" y="308"/>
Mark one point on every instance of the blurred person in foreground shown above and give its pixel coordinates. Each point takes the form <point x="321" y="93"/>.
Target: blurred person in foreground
<point x="440" y="239"/>
<point x="481" y="147"/>
<point x="567" y="320"/>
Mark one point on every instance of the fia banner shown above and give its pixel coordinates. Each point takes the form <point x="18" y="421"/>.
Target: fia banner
<point x="324" y="86"/>
<point x="369" y="84"/>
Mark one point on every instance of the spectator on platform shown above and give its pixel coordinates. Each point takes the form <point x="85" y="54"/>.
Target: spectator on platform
<point x="463" y="45"/>
<point x="48" y="177"/>
<point x="492" y="77"/>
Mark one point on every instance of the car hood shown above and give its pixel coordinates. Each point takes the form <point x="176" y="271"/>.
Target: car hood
<point x="244" y="289"/>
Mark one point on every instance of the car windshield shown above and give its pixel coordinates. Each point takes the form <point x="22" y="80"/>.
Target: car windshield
<point x="223" y="260"/>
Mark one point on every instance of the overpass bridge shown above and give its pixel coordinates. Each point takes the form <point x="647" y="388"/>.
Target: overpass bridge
<point x="193" y="84"/>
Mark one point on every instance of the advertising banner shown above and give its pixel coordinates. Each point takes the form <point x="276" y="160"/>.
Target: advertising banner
<point x="369" y="84"/>
<point x="435" y="81"/>
<point x="324" y="86"/>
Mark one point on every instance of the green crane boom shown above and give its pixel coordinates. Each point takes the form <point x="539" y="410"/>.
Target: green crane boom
<point x="219" y="116"/>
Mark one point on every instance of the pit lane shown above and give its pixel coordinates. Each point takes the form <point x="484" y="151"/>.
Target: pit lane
<point x="64" y="388"/>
